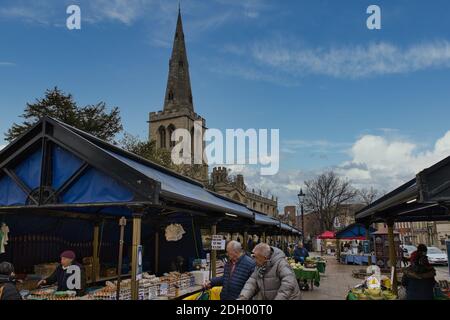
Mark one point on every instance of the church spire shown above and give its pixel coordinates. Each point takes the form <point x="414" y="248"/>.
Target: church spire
<point x="178" y="91"/>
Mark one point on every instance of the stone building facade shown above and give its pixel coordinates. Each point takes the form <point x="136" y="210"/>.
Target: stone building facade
<point x="235" y="188"/>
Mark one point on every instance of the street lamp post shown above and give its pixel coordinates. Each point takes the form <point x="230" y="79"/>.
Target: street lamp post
<point x="301" y="201"/>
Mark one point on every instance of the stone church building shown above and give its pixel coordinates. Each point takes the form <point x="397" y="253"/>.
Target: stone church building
<point x="178" y="112"/>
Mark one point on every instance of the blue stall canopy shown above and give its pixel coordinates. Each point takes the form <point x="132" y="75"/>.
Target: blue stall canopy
<point x="354" y="231"/>
<point x="178" y="188"/>
<point x="51" y="169"/>
<point x="57" y="167"/>
<point x="262" y="219"/>
<point x="286" y="227"/>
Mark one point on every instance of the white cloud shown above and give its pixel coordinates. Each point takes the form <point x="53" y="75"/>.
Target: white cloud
<point x="124" y="11"/>
<point x="320" y="148"/>
<point x="294" y="59"/>
<point x="354" y="61"/>
<point x="28" y="12"/>
<point x="382" y="162"/>
<point x="388" y="162"/>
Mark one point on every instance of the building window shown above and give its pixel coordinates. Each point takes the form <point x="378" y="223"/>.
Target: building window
<point x="181" y="63"/>
<point x="162" y="137"/>
<point x="170" y="96"/>
<point x="171" y="129"/>
<point x="190" y="98"/>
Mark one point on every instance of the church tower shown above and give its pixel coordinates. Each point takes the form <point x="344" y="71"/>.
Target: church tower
<point x="178" y="110"/>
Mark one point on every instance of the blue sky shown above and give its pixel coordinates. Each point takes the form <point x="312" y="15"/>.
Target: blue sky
<point x="372" y="105"/>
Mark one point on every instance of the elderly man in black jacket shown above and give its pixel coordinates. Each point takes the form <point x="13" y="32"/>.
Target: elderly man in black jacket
<point x="236" y="272"/>
<point x="8" y="290"/>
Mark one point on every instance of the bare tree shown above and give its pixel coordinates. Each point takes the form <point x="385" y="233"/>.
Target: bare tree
<point x="326" y="195"/>
<point x="367" y="196"/>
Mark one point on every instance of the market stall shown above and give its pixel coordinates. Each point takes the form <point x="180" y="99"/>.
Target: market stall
<point x="424" y="198"/>
<point x="374" y="287"/>
<point x="307" y="272"/>
<point x="125" y="217"/>
<point x="355" y="245"/>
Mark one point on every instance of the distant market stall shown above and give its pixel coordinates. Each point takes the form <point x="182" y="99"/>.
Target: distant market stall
<point x="61" y="188"/>
<point x="355" y="245"/>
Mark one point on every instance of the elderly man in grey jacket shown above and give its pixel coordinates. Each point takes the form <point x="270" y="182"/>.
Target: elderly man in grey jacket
<point x="273" y="278"/>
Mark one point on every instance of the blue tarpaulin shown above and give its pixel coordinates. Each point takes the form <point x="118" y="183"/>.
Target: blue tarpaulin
<point x="65" y="164"/>
<point x="172" y="185"/>
<point x="29" y="170"/>
<point x="266" y="220"/>
<point x="10" y="193"/>
<point x="96" y="187"/>
<point x="353" y="231"/>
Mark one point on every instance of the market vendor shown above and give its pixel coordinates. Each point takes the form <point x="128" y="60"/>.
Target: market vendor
<point x="63" y="276"/>
<point x="300" y="253"/>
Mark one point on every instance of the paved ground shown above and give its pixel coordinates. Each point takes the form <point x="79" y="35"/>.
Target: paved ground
<point x="337" y="280"/>
<point x="335" y="283"/>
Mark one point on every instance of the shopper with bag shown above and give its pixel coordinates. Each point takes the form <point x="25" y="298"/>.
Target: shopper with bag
<point x="236" y="272"/>
<point x="273" y="278"/>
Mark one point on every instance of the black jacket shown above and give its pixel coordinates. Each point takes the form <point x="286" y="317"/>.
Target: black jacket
<point x="60" y="277"/>
<point x="8" y="289"/>
<point x="419" y="286"/>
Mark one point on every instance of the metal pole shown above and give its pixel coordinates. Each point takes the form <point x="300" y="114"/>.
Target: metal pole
<point x="392" y="255"/>
<point x="156" y="252"/>
<point x="95" y="258"/>
<point x="369" y="259"/>
<point x="303" y="225"/>
<point x="122" y="224"/>
<point x="134" y="256"/>
<point x="213" y="252"/>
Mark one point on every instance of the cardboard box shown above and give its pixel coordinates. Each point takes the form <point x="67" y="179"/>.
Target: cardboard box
<point x="200" y="277"/>
<point x="110" y="272"/>
<point x="89" y="271"/>
<point x="46" y="269"/>
<point x="27" y="285"/>
<point x="88" y="260"/>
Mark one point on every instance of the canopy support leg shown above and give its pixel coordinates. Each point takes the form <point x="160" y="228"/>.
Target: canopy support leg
<point x="213" y="252"/>
<point x="392" y="255"/>
<point x="137" y="222"/>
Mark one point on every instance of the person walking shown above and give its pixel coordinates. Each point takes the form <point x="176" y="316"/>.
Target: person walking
<point x="300" y="253"/>
<point x="236" y="272"/>
<point x="273" y="278"/>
